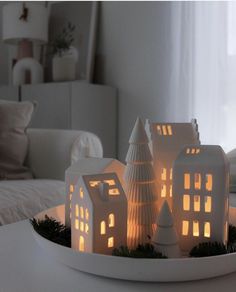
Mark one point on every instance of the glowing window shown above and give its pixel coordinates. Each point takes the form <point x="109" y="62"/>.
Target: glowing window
<point x="103" y="227"/>
<point x="81" y="226"/>
<point x="195" y="228"/>
<point x="186" y="202"/>
<point x="197" y="150"/>
<point x="207" y="204"/>
<point x="81" y="212"/>
<point x="193" y="151"/>
<point x="196" y="205"/>
<point x="171" y="173"/>
<point x="81" y="243"/>
<point x="185" y="227"/>
<point x="207" y="229"/>
<point x="94" y="183"/>
<point x="187" y="181"/>
<point x="71" y="188"/>
<point x="159" y="130"/>
<point x="170" y="191"/>
<point x="86" y="228"/>
<point x="169" y="129"/>
<point x="111" y="182"/>
<point x="77" y="210"/>
<point x="163" y="173"/>
<point x="86" y="214"/>
<point x="76" y="224"/>
<point x="164" y="131"/>
<point x="111" y="220"/>
<point x="81" y="193"/>
<point x="110" y="242"/>
<point x="70" y="197"/>
<point x="113" y="192"/>
<point x="188" y="151"/>
<point x="209" y="182"/>
<point x="197" y="181"/>
<point x="163" y="191"/>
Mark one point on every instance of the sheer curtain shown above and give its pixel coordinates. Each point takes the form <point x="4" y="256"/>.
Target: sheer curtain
<point x="203" y="79"/>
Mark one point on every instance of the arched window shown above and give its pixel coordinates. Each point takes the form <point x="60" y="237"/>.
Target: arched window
<point x="111" y="220"/>
<point x="103" y="227"/>
<point x="81" y="243"/>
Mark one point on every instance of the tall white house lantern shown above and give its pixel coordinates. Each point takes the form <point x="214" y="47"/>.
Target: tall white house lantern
<point x="166" y="141"/>
<point x="88" y="166"/>
<point x="98" y="214"/>
<point x="140" y="188"/>
<point x="201" y="195"/>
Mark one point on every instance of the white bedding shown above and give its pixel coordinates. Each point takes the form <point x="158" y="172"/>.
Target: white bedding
<point x="21" y="199"/>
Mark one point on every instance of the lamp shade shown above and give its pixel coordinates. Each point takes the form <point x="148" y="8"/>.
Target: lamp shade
<point x="25" y="21"/>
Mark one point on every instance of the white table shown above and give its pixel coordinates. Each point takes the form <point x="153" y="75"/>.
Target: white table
<point x="25" y="267"/>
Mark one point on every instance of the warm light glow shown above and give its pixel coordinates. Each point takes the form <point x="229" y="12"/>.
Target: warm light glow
<point x="186" y="202"/>
<point x="71" y="188"/>
<point x="81" y="212"/>
<point x="81" y="193"/>
<point x="169" y="129"/>
<point x="81" y="226"/>
<point x="207" y="229"/>
<point x="159" y="130"/>
<point x="86" y="214"/>
<point x="170" y="191"/>
<point x="86" y="228"/>
<point x="197" y="202"/>
<point x="81" y="243"/>
<point x="163" y="191"/>
<point x="94" y="183"/>
<point x="195" y="228"/>
<point x="187" y="181"/>
<point x="111" y="182"/>
<point x="77" y="210"/>
<point x="188" y="151"/>
<point x="103" y="227"/>
<point x="113" y="192"/>
<point x="110" y="242"/>
<point x="207" y="204"/>
<point x="171" y="173"/>
<point x="164" y="130"/>
<point x="111" y="220"/>
<point x="209" y="182"/>
<point x="76" y="224"/>
<point x="70" y="197"/>
<point x="163" y="173"/>
<point x="193" y="151"/>
<point x="185" y="226"/>
<point x="197" y="151"/>
<point x="197" y="181"/>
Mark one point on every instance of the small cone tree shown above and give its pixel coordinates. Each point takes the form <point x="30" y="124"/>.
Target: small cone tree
<point x="140" y="188"/>
<point x="165" y="238"/>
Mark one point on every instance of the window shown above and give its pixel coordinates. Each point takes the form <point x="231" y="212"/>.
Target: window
<point x="163" y="191"/>
<point x="71" y="188"/>
<point x="81" y="243"/>
<point x="86" y="228"/>
<point x="187" y="181"/>
<point x="81" y="193"/>
<point x="186" y="202"/>
<point x="185" y="226"/>
<point x="163" y="173"/>
<point x="103" y="227"/>
<point x="207" y="229"/>
<point x="110" y="242"/>
<point x="111" y="182"/>
<point x="159" y="130"/>
<point x="197" y="181"/>
<point x="196" y="205"/>
<point x="77" y="210"/>
<point x="171" y="173"/>
<point x="164" y="130"/>
<point x="111" y="220"/>
<point x="81" y="226"/>
<point x="209" y="182"/>
<point x="195" y="228"/>
<point x="169" y="130"/>
<point x="170" y="191"/>
<point x="207" y="204"/>
<point x="86" y="214"/>
<point x="81" y="212"/>
<point x="94" y="183"/>
<point x="113" y="192"/>
<point x="77" y="224"/>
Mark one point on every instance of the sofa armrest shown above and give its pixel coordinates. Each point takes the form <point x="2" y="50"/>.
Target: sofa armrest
<point x="52" y="151"/>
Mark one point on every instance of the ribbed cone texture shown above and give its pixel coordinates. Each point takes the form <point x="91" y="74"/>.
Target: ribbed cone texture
<point x="139" y="234"/>
<point x="138" y="153"/>
<point x="139" y="173"/>
<point x="145" y="192"/>
<point x="138" y="135"/>
<point x="144" y="214"/>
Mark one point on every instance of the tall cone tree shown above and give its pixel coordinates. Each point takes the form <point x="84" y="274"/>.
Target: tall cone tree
<point x="140" y="188"/>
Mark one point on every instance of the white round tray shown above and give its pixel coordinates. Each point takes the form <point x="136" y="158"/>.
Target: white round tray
<point x="149" y="270"/>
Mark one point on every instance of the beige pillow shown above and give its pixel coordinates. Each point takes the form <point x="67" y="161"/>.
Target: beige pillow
<point x="14" y="119"/>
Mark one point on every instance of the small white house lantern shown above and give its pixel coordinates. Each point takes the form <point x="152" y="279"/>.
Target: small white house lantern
<point x="166" y="141"/>
<point x="98" y="214"/>
<point x="88" y="166"/>
<point x="201" y="195"/>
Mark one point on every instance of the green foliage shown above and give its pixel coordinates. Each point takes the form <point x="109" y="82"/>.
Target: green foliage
<point x="64" y="40"/>
<point x="206" y="249"/>
<point x="52" y="230"/>
<point x="142" y="251"/>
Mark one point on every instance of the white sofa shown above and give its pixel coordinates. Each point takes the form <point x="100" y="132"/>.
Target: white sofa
<point x="50" y="153"/>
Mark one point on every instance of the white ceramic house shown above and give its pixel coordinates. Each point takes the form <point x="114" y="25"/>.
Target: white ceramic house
<point x="98" y="214"/>
<point x="89" y="166"/>
<point x="166" y="141"/>
<point x="200" y="195"/>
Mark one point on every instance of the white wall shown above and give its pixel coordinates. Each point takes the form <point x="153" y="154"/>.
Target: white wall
<point x="134" y="50"/>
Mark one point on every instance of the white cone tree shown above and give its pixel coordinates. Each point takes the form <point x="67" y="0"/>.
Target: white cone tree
<point x="165" y="238"/>
<point x="140" y="188"/>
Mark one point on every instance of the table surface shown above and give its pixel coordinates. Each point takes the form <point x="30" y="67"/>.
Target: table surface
<point x="25" y="267"/>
